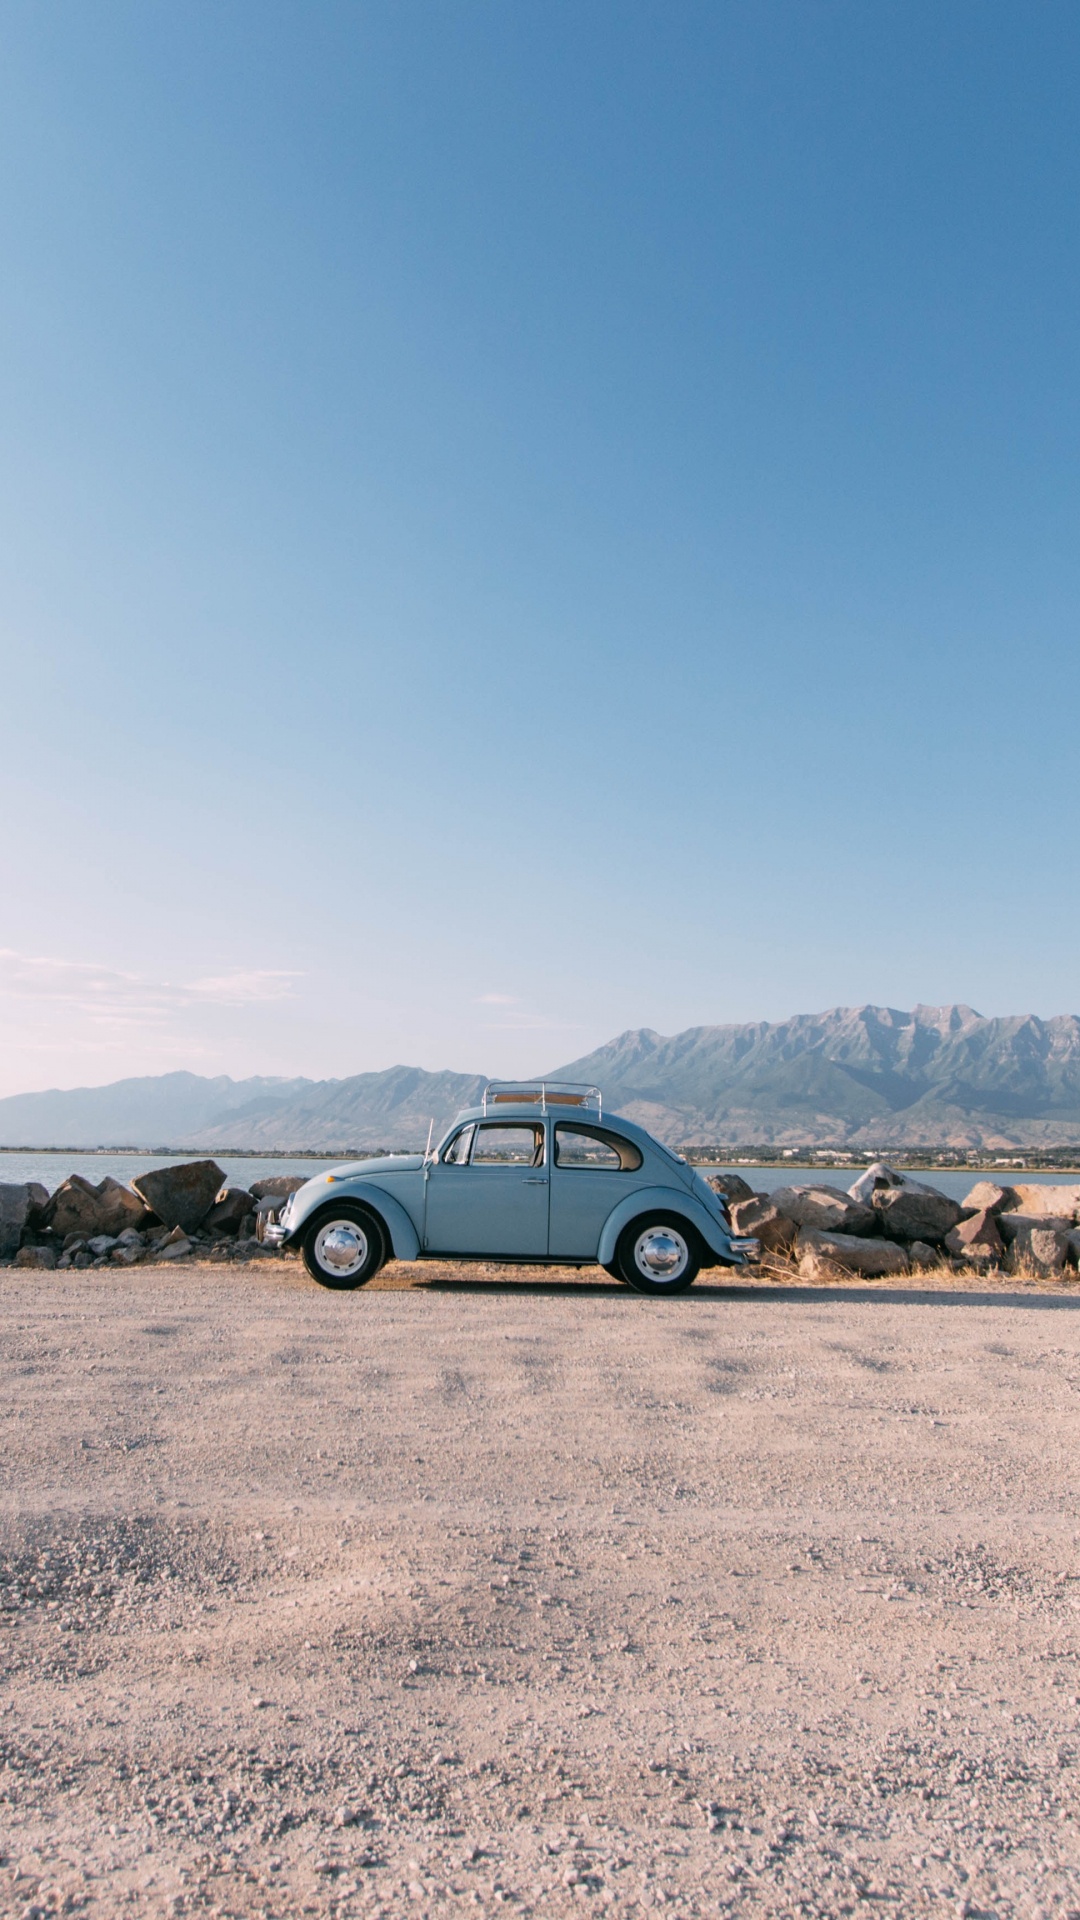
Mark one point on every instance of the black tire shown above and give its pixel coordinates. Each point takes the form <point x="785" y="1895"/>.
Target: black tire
<point x="328" y="1260"/>
<point x="675" y="1241"/>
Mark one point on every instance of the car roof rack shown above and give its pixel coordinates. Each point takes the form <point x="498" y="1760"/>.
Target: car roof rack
<point x="542" y="1094"/>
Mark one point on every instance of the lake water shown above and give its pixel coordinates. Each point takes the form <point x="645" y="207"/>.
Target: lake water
<point x="51" y="1168"/>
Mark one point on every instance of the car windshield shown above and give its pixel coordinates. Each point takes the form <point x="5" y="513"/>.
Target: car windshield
<point x="457" y="1153"/>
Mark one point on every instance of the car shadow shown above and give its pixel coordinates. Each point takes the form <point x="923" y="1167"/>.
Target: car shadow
<point x="766" y="1293"/>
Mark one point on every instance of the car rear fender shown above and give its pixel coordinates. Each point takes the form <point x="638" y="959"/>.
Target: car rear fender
<point x="402" y="1235"/>
<point x="650" y="1200"/>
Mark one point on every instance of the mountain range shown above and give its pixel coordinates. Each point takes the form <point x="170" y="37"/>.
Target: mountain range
<point x="855" y="1077"/>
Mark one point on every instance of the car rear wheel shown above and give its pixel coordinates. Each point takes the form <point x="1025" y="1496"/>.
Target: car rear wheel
<point x="658" y="1254"/>
<point x="344" y="1249"/>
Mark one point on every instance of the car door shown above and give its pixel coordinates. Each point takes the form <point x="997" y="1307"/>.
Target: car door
<point x="488" y="1192"/>
<point x="589" y="1176"/>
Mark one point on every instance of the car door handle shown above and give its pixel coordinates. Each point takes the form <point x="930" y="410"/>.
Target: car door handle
<point x="535" y="1182"/>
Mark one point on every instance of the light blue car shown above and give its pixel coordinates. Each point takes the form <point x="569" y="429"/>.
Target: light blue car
<point x="537" y="1174"/>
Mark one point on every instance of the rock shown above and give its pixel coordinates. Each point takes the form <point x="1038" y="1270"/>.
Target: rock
<point x="758" y="1216"/>
<point x="820" y="1252"/>
<point x="15" y="1206"/>
<point x="44" y="1257"/>
<point x="101" y="1243"/>
<point x="124" y="1254"/>
<point x="1059" y="1202"/>
<point x="826" y="1209"/>
<point x="282" y="1184"/>
<point x="229" y="1211"/>
<point x="916" y="1213"/>
<point x="922" y="1254"/>
<point x="1046" y="1248"/>
<point x="731" y="1186"/>
<point x="977" y="1238"/>
<point x="987" y="1197"/>
<point x="74" y="1208"/>
<point x="181" y="1196"/>
<point x="1012" y="1224"/>
<point x="879" y="1177"/>
<point x="78" y="1206"/>
<point x="175" y="1247"/>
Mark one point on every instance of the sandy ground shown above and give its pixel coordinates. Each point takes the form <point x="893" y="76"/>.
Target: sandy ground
<point x="457" y="1597"/>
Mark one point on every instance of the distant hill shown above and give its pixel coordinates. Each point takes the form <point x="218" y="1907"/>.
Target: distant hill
<point x="856" y="1076"/>
<point x="183" y="1110"/>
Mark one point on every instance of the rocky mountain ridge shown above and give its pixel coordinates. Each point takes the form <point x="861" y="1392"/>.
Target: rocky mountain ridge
<point x="854" y="1076"/>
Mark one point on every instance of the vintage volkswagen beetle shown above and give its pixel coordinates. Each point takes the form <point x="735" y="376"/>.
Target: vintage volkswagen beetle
<point x="536" y="1173"/>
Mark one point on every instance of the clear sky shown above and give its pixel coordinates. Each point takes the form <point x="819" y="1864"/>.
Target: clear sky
<point x="523" y="520"/>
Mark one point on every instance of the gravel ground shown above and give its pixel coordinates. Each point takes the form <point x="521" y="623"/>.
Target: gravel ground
<point x="454" y="1597"/>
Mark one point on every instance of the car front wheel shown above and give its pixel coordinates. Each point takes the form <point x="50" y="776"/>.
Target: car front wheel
<point x="658" y="1255"/>
<point x="344" y="1249"/>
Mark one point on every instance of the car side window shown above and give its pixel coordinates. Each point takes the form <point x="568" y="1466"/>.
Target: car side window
<point x="595" y="1148"/>
<point x="521" y="1145"/>
<point x="457" y="1153"/>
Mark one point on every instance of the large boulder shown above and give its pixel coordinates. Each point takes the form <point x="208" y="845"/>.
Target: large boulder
<point x="759" y="1217"/>
<point x="282" y="1184"/>
<point x="181" y="1196"/>
<point x="878" y="1178"/>
<point x="15" y="1206"/>
<point x="916" y="1213"/>
<point x="987" y="1197"/>
<point x="819" y="1253"/>
<point x="731" y="1186"/>
<point x="826" y="1209"/>
<point x="977" y="1239"/>
<point x="1055" y="1202"/>
<point x="229" y="1210"/>
<point x="1012" y="1224"/>
<point x="1038" y="1245"/>
<point x="78" y="1206"/>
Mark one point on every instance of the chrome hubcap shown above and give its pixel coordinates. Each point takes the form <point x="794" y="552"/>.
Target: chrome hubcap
<point x="341" y="1247"/>
<point x="661" y="1254"/>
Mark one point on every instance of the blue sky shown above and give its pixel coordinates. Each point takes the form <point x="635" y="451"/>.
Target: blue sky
<point x="525" y="520"/>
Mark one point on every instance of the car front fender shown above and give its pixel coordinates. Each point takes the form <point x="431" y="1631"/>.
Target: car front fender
<point x="666" y="1200"/>
<point x="402" y="1235"/>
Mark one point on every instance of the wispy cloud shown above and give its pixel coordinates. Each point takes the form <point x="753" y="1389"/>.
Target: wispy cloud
<point x="242" y="988"/>
<point x="495" y="1000"/>
<point x="109" y="997"/>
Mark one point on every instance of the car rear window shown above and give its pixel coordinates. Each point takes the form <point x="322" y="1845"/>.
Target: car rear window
<point x="596" y="1148"/>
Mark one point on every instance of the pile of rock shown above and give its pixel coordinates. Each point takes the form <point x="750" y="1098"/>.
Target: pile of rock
<point x="888" y="1223"/>
<point x="169" y="1213"/>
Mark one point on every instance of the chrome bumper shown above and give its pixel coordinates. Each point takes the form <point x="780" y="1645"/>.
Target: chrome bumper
<point x="746" y="1247"/>
<point x="269" y="1230"/>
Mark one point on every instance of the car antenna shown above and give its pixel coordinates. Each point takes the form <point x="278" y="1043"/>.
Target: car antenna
<point x="430" y="1131"/>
